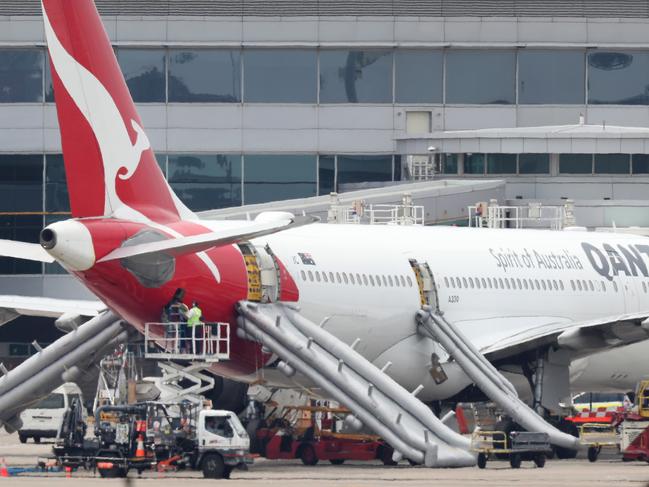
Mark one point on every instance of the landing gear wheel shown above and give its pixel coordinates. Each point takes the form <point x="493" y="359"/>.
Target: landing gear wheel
<point x="482" y="460"/>
<point x="22" y="438"/>
<point x="213" y="466"/>
<point x="515" y="460"/>
<point x="539" y="460"/>
<point x="37" y="439"/>
<point x="308" y="455"/>
<point x="593" y="453"/>
<point x="571" y="429"/>
<point x="337" y="461"/>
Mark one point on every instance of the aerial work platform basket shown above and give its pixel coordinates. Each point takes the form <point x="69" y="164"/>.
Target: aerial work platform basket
<point x="207" y="342"/>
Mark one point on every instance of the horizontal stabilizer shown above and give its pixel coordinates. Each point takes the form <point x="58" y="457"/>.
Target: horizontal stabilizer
<point x="198" y="243"/>
<point x="24" y="250"/>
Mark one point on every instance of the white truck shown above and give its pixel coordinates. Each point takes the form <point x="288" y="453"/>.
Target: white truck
<point x="44" y="419"/>
<point x="158" y="435"/>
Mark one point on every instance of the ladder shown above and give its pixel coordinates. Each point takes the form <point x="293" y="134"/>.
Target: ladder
<point x="487" y="377"/>
<point x="375" y="399"/>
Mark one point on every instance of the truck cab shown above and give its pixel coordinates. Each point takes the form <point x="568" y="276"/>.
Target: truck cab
<point x="223" y="443"/>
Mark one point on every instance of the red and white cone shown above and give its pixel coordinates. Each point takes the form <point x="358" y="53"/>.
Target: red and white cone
<point x="139" y="451"/>
<point x="4" y="471"/>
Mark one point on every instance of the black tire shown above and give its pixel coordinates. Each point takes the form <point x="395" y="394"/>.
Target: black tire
<point x="539" y="460"/>
<point x="227" y="472"/>
<point x="37" y="439"/>
<point x="213" y="466"/>
<point x="22" y="438"/>
<point x="384" y="454"/>
<point x="482" y="460"/>
<point x="308" y="455"/>
<point x="570" y="428"/>
<point x="113" y="473"/>
<point x="593" y="453"/>
<point x="515" y="460"/>
<point x="337" y="461"/>
<point x="505" y="425"/>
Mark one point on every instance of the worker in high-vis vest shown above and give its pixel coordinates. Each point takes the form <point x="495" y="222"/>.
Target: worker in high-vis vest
<point x="195" y="324"/>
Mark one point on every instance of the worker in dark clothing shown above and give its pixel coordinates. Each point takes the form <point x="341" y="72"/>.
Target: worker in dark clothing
<point x="177" y="314"/>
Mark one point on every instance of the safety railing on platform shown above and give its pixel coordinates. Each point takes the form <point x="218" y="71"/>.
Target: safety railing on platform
<point x="208" y="342"/>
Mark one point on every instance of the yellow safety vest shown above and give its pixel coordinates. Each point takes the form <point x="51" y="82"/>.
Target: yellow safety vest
<point x="194" y="316"/>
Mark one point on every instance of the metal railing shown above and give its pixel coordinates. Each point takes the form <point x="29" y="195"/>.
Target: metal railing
<point x="209" y="342"/>
<point x="380" y="214"/>
<point x="530" y="216"/>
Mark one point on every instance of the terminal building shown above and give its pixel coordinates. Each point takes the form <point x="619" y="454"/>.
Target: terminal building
<point x="248" y="102"/>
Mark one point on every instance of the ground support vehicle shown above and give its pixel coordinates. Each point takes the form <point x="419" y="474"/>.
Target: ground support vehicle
<point x="155" y="435"/>
<point x="598" y="436"/>
<point x="518" y="446"/>
<point x="311" y="440"/>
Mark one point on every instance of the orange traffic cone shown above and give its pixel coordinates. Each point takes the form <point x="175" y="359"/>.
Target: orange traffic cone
<point x="4" y="472"/>
<point x="139" y="451"/>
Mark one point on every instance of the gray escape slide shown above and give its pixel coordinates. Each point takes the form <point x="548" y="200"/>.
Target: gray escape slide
<point x="376" y="400"/>
<point x="487" y="378"/>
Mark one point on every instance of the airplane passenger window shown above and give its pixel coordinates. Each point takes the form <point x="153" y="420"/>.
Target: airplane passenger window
<point x="409" y="281"/>
<point x="403" y="281"/>
<point x="561" y="285"/>
<point x="484" y="283"/>
<point x="471" y="282"/>
<point x="331" y="277"/>
<point x="525" y="284"/>
<point x="371" y="277"/>
<point x="317" y="276"/>
<point x="351" y="278"/>
<point x="603" y="286"/>
<point x="556" y="286"/>
<point x="585" y="285"/>
<point x="578" y="284"/>
<point x="507" y="283"/>
<point x="310" y="276"/>
<point x="549" y="285"/>
<point x="391" y="285"/>
<point x="324" y="277"/>
<point x="500" y="281"/>
<point x="614" y="286"/>
<point x="396" y="280"/>
<point x="477" y="283"/>
<point x="520" y="286"/>
<point x="572" y="283"/>
<point x="644" y="287"/>
<point x="344" y="278"/>
<point x="338" y="277"/>
<point x="512" y="281"/>
<point x="590" y="284"/>
<point x="458" y="282"/>
<point x="365" y="281"/>
<point x="489" y="282"/>
<point x="543" y="284"/>
<point x="385" y="281"/>
<point x="303" y="275"/>
<point x="465" y="283"/>
<point x="378" y="281"/>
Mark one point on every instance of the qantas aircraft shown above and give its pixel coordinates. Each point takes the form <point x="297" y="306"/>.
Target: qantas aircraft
<point x="516" y="295"/>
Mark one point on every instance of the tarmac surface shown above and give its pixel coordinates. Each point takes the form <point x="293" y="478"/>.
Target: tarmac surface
<point x="609" y="470"/>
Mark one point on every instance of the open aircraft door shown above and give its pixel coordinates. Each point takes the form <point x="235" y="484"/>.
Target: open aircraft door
<point x="425" y="283"/>
<point x="264" y="281"/>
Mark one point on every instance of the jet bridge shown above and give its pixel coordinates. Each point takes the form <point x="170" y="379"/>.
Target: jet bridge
<point x="486" y="377"/>
<point x="376" y="400"/>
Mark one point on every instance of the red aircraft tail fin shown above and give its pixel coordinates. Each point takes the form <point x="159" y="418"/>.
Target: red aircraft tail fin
<point x="110" y="167"/>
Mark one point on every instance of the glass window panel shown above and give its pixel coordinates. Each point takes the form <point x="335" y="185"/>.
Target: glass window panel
<point x="551" y="76"/>
<point x="205" y="75"/>
<point x="611" y="163"/>
<point x="449" y="163"/>
<point x="364" y="169"/>
<point x="280" y="75"/>
<point x="56" y="188"/>
<point x="618" y="78"/>
<point x="418" y="76"/>
<point x="474" y="163"/>
<point x="21" y="182"/>
<point x="501" y="163"/>
<point x="575" y="163"/>
<point x="274" y="177"/>
<point x="534" y="163"/>
<point x="25" y="228"/>
<point x="49" y="86"/>
<point x="640" y="163"/>
<point x="355" y="76"/>
<point x="206" y="181"/>
<point x="144" y="71"/>
<point x="480" y="77"/>
<point x="21" y="75"/>
<point x="326" y="175"/>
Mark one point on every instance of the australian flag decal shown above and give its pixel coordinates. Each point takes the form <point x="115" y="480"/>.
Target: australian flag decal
<point x="306" y="259"/>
